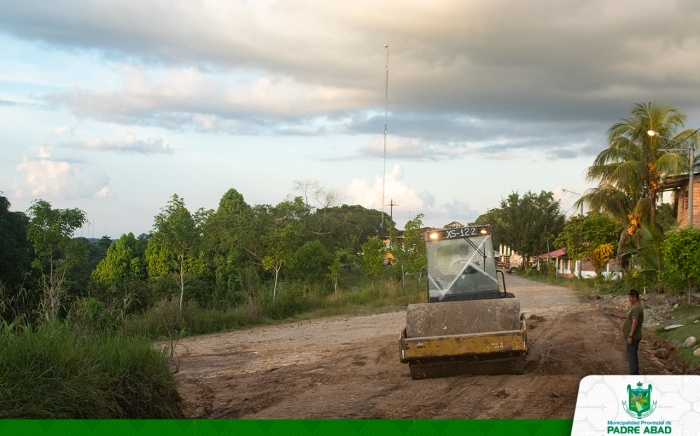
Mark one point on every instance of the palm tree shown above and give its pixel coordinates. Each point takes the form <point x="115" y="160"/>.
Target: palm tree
<point x="630" y="171"/>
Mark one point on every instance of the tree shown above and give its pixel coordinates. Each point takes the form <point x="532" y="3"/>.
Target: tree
<point x="232" y="244"/>
<point x="528" y="224"/>
<point x="51" y="230"/>
<point x="347" y="227"/>
<point x="630" y="171"/>
<point x="584" y="233"/>
<point x="413" y="239"/>
<point x="373" y="252"/>
<point x="311" y="262"/>
<point x="279" y="249"/>
<point x="600" y="256"/>
<point x="334" y="272"/>
<point x="125" y="260"/>
<point x="409" y="251"/>
<point x="176" y="236"/>
<point x="287" y="229"/>
<point x="16" y="255"/>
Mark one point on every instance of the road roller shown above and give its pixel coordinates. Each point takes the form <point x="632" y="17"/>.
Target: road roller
<point x="470" y="324"/>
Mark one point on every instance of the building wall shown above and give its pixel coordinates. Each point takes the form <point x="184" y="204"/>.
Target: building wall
<point x="682" y="216"/>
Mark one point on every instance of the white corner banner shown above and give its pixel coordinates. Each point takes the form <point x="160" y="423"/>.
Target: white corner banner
<point x="634" y="404"/>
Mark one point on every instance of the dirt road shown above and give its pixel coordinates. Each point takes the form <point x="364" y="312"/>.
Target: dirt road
<point x="348" y="367"/>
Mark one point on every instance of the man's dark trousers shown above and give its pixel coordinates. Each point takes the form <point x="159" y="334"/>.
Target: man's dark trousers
<point x="632" y="356"/>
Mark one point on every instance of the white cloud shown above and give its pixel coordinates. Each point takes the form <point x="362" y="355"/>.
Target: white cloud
<point x="127" y="144"/>
<point x="459" y="211"/>
<point x="188" y="97"/>
<point x="395" y="189"/>
<point x="62" y="129"/>
<point x="52" y="179"/>
<point x="407" y="199"/>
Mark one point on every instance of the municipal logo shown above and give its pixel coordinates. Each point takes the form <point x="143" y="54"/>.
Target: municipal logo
<point x="639" y="404"/>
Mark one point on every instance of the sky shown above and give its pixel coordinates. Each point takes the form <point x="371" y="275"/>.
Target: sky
<point x="113" y="107"/>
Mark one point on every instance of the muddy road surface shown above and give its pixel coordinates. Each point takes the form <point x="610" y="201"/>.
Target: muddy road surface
<point x="348" y="367"/>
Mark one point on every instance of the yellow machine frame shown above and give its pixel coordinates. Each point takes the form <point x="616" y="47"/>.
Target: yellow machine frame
<point x="472" y="346"/>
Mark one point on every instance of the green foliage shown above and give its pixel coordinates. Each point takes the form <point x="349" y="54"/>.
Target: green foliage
<point x="279" y="250"/>
<point x="527" y="224"/>
<point x="584" y="233"/>
<point x="334" y="271"/>
<point x="125" y="260"/>
<point x="56" y="373"/>
<point x="348" y="227"/>
<point x="680" y="251"/>
<point x="176" y="240"/>
<point x="665" y="218"/>
<point x="311" y="262"/>
<point x="51" y="230"/>
<point x="408" y="252"/>
<point x="232" y="204"/>
<point x="373" y="253"/>
<point x="16" y="255"/>
<point x="647" y="260"/>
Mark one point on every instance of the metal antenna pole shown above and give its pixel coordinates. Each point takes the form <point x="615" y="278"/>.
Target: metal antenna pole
<point x="386" y="110"/>
<point x="691" y="152"/>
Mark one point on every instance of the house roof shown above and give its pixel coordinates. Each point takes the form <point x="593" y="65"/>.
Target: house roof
<point x="556" y="253"/>
<point x="677" y="181"/>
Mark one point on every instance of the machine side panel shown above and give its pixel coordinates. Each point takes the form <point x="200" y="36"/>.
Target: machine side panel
<point x="464" y="345"/>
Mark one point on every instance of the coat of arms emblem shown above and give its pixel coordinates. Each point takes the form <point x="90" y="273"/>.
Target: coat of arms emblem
<point x="640" y="404"/>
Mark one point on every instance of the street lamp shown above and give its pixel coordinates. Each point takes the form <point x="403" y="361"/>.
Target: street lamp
<point x="575" y="193"/>
<point x="691" y="154"/>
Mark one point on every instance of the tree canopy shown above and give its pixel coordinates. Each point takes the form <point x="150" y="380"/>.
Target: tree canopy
<point x="528" y="224"/>
<point x="584" y="233"/>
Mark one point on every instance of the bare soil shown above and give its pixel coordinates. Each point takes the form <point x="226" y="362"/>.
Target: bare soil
<point x="348" y="367"/>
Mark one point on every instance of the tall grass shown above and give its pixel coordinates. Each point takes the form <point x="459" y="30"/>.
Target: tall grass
<point x="295" y="300"/>
<point x="56" y="372"/>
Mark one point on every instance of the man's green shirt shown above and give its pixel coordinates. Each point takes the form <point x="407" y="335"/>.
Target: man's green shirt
<point x="636" y="312"/>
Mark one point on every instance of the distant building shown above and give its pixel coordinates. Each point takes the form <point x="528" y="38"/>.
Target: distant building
<point x="453" y="225"/>
<point x="568" y="268"/>
<point x="678" y="185"/>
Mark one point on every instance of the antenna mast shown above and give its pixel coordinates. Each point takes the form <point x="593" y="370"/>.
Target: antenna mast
<point x="386" y="109"/>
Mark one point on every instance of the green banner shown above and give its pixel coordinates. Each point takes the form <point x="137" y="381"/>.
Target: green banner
<point x="358" y="427"/>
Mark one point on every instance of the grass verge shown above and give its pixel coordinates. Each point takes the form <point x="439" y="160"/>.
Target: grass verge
<point x="54" y="372"/>
<point x="687" y="315"/>
<point x="582" y="286"/>
<point x="294" y="302"/>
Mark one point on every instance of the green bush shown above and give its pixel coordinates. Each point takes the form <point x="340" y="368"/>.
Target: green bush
<point x="55" y="372"/>
<point x="680" y="251"/>
<point x="311" y="262"/>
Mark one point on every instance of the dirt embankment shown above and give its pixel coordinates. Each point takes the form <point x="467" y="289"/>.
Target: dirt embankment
<point x="348" y="367"/>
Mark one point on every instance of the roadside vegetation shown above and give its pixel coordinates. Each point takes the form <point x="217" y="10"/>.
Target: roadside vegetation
<point x="99" y="305"/>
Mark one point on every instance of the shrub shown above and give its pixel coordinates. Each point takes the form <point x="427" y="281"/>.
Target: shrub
<point x="680" y="251"/>
<point x="311" y="262"/>
<point x="55" y="372"/>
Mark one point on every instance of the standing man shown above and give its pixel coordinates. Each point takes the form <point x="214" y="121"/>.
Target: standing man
<point x="632" y="329"/>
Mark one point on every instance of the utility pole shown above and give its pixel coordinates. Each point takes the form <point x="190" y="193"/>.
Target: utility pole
<point x="391" y="204"/>
<point x="386" y="110"/>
